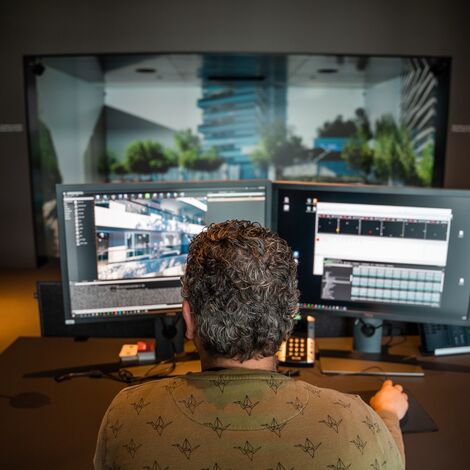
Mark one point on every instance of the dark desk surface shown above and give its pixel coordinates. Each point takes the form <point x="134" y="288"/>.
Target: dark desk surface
<point x="62" y="434"/>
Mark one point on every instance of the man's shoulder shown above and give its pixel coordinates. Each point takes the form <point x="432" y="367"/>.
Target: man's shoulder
<point x="147" y="390"/>
<point x="335" y="396"/>
<point x="284" y="389"/>
<point x="341" y="405"/>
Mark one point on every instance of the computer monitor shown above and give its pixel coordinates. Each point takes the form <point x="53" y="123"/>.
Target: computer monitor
<point x="124" y="246"/>
<point x="378" y="253"/>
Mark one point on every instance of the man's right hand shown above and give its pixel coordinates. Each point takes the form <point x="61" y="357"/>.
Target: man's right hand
<point x="390" y="398"/>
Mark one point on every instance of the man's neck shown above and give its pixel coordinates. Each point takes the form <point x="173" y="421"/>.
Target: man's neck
<point x="265" y="363"/>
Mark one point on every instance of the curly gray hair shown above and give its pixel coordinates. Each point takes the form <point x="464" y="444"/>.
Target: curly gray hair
<point x="241" y="284"/>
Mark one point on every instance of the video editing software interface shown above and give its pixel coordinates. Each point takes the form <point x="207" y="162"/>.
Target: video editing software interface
<point x="125" y="251"/>
<point x="366" y="251"/>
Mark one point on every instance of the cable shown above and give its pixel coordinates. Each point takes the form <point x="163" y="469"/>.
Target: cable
<point x="389" y="343"/>
<point x="368" y="329"/>
<point x="170" y="369"/>
<point x="288" y="372"/>
<point x="122" y="375"/>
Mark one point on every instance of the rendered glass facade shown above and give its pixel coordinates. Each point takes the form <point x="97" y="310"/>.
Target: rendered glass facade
<point x="236" y="110"/>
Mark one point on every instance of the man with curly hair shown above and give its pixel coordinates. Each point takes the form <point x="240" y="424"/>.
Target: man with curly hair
<point x="240" y="297"/>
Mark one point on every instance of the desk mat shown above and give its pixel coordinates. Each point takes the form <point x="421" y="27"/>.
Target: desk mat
<point x="416" y="418"/>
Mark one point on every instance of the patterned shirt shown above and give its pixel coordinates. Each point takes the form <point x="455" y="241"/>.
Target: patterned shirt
<point x="249" y="419"/>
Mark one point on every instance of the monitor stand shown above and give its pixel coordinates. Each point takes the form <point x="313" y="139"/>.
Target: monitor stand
<point x="367" y="357"/>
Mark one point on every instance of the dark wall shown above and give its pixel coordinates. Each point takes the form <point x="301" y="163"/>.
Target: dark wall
<point x="432" y="27"/>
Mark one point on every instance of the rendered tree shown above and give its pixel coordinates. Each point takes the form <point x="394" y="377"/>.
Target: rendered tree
<point x="359" y="155"/>
<point x="146" y="157"/>
<point x="119" y="168"/>
<point x="190" y="153"/>
<point x="357" y="151"/>
<point x="394" y="157"/>
<point x="278" y="146"/>
<point x="106" y="162"/>
<point x="338" y="128"/>
<point x="425" y="166"/>
<point x="45" y="162"/>
<point x="163" y="160"/>
<point x="186" y="140"/>
<point x="45" y="174"/>
<point x="386" y="157"/>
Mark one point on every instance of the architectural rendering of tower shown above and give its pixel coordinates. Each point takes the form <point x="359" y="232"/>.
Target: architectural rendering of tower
<point x="419" y="103"/>
<point x="240" y="96"/>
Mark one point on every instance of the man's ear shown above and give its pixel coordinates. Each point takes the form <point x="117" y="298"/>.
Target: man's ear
<point x="188" y="320"/>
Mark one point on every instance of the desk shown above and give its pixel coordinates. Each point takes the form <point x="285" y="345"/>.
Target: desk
<point x="60" y="435"/>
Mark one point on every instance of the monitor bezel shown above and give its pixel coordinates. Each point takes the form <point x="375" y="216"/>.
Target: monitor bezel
<point x="138" y="187"/>
<point x="372" y="189"/>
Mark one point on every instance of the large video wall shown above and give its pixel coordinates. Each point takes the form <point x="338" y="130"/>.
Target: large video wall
<point x="178" y="117"/>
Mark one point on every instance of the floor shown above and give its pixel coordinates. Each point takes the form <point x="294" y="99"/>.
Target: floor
<point x="19" y="314"/>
